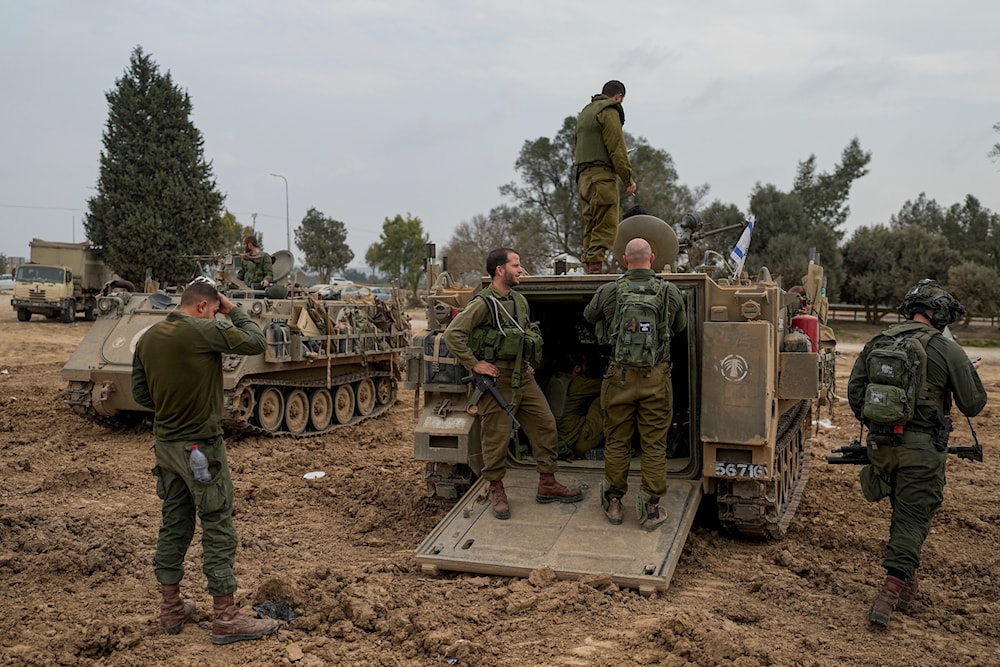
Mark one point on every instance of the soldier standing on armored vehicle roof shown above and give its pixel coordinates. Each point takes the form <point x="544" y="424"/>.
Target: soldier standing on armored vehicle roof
<point x="492" y="336"/>
<point x="177" y="373"/>
<point x="601" y="159"/>
<point x="637" y="389"/>
<point x="908" y="459"/>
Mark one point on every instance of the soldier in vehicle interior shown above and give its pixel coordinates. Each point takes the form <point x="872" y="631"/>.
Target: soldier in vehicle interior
<point x="257" y="266"/>
<point x="601" y="159"/>
<point x="908" y="454"/>
<point x="493" y="336"/>
<point x="637" y="315"/>
<point x="177" y="373"/>
<point x="574" y="395"/>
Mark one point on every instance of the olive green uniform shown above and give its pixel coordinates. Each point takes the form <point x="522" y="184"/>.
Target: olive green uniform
<point x="633" y="397"/>
<point x="517" y="387"/>
<point x="581" y="426"/>
<point x="601" y="158"/>
<point x="177" y="372"/>
<point x="912" y="473"/>
<point x="257" y="269"/>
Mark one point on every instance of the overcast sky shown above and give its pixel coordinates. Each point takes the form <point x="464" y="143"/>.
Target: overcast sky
<point x="373" y="108"/>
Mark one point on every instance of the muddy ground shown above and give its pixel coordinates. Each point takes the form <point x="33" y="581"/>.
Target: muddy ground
<point x="79" y="515"/>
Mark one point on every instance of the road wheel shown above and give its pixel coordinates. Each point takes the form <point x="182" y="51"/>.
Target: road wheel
<point x="296" y="411"/>
<point x="89" y="314"/>
<point x="383" y="390"/>
<point x="320" y="409"/>
<point x="270" y="409"/>
<point x="366" y="397"/>
<point x="23" y="314"/>
<point x="69" y="315"/>
<point x="343" y="403"/>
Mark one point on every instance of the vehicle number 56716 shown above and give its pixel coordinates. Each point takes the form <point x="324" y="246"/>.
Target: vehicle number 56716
<point x="750" y="470"/>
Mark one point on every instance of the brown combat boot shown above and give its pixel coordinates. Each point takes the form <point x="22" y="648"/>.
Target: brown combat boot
<point x="498" y="497"/>
<point x="549" y="490"/>
<point x="906" y="595"/>
<point x="229" y="625"/>
<point x="886" y="601"/>
<point x="595" y="267"/>
<point x="173" y="610"/>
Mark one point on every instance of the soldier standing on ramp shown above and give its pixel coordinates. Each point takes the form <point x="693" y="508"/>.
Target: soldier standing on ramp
<point x="637" y="314"/>
<point x="493" y="336"/>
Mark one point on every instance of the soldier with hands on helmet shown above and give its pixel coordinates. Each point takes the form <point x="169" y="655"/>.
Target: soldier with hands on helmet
<point x="494" y="336"/>
<point x="637" y="314"/>
<point x="908" y="425"/>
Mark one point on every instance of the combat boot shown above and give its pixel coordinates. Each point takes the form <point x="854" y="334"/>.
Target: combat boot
<point x="498" y="497"/>
<point x="652" y="516"/>
<point x="549" y="490"/>
<point x="595" y="267"/>
<point x="229" y="625"/>
<point x="886" y="601"/>
<point x="907" y="594"/>
<point x="173" y="610"/>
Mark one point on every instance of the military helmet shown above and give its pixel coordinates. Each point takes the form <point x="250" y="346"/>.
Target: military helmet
<point x="928" y="294"/>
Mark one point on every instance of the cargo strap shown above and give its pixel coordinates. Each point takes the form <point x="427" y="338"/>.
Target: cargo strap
<point x="437" y="359"/>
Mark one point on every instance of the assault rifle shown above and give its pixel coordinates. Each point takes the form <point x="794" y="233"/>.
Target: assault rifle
<point x="483" y="384"/>
<point x="857" y="454"/>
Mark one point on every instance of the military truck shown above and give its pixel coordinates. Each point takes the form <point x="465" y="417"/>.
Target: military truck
<point x="327" y="363"/>
<point x="61" y="280"/>
<point x="747" y="374"/>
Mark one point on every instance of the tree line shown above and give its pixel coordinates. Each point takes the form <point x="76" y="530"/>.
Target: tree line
<point x="157" y="201"/>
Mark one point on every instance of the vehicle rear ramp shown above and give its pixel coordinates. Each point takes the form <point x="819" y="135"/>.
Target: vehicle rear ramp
<point x="573" y="539"/>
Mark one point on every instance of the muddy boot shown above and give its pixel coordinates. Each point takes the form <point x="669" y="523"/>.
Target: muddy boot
<point x="229" y="625"/>
<point x="906" y="595"/>
<point x="173" y="610"/>
<point x="611" y="502"/>
<point x="595" y="267"/>
<point x="886" y="601"/>
<point x="550" y="491"/>
<point x="498" y="497"/>
<point x="648" y="511"/>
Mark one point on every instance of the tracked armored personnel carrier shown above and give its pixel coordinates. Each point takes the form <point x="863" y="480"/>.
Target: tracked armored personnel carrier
<point x="327" y="363"/>
<point x="747" y="375"/>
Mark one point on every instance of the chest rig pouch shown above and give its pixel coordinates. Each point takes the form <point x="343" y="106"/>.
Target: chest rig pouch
<point x="506" y="338"/>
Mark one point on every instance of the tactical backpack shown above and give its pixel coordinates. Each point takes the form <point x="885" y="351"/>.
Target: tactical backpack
<point x="897" y="377"/>
<point x="638" y="330"/>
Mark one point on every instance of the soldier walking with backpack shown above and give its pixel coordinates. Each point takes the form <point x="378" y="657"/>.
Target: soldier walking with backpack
<point x="902" y="387"/>
<point x="637" y="315"/>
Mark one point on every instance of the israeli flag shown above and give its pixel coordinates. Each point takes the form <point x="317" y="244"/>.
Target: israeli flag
<point x="739" y="253"/>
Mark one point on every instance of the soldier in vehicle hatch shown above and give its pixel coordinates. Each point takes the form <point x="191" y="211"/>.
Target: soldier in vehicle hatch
<point x="908" y="454"/>
<point x="637" y="315"/>
<point x="601" y="159"/>
<point x="493" y="336"/>
<point x="257" y="265"/>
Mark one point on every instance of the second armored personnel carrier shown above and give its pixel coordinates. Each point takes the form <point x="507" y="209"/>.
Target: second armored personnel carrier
<point x="327" y="363"/>
<point x="747" y="374"/>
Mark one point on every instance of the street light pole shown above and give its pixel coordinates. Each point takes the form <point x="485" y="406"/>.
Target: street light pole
<point x="288" y="221"/>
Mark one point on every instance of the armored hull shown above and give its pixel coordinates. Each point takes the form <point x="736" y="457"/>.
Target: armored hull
<point x="327" y="363"/>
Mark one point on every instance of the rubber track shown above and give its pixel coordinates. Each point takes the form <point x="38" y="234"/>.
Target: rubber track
<point x="773" y="525"/>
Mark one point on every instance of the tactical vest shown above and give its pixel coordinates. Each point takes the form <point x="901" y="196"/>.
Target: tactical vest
<point x="509" y="336"/>
<point x="589" y="139"/>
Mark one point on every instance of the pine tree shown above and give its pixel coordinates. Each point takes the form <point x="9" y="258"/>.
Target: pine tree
<point x="156" y="196"/>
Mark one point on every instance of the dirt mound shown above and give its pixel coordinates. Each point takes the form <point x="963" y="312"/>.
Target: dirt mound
<point x="79" y="515"/>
